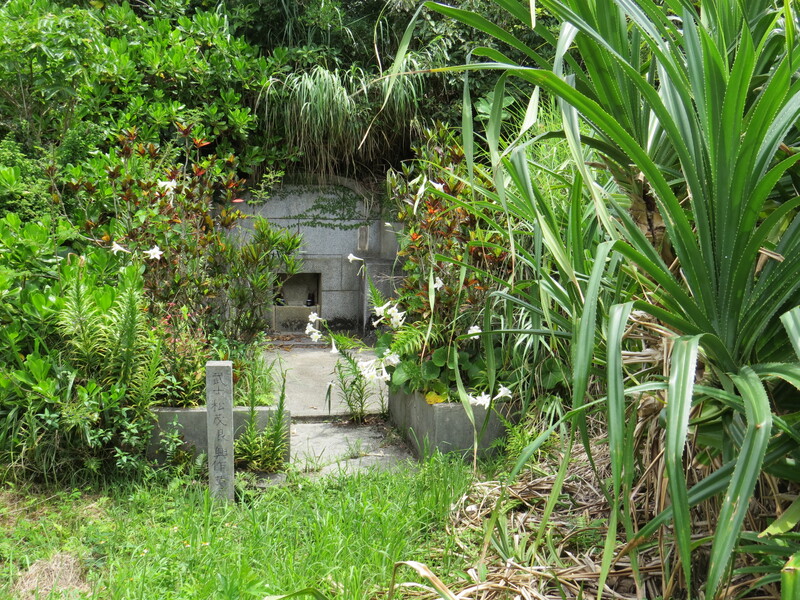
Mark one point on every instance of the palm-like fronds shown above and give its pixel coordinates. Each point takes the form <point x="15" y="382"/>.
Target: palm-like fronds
<point x="335" y="119"/>
<point x="692" y="108"/>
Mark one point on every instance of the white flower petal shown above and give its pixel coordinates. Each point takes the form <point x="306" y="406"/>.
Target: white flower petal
<point x="482" y="400"/>
<point x="503" y="392"/>
<point x="391" y="359"/>
<point x="154" y="253"/>
<point x="116" y="248"/>
<point x="381" y="310"/>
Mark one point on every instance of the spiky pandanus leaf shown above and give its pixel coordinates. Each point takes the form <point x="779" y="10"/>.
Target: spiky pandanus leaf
<point x="696" y="106"/>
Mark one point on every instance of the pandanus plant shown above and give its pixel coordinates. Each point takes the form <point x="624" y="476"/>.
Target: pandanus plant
<point x="692" y="109"/>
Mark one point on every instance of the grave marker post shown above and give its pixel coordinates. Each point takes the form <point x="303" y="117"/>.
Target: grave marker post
<point x="219" y="404"/>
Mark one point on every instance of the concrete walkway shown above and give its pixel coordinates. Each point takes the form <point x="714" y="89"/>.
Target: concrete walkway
<point x="309" y="371"/>
<point x="323" y="440"/>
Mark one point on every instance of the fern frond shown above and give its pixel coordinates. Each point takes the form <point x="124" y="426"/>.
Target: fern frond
<point x="376" y="298"/>
<point x="80" y="324"/>
<point x="125" y="330"/>
<point x="411" y="338"/>
<point x="345" y="342"/>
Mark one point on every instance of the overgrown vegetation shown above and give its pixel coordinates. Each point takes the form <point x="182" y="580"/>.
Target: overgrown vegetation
<point x="611" y="243"/>
<point x="171" y="540"/>
<point x="681" y="120"/>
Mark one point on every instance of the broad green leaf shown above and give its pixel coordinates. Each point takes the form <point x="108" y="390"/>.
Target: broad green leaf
<point x="584" y="344"/>
<point x="620" y="444"/>
<point x="791" y="321"/>
<point x="790" y="579"/>
<point x="481" y="23"/>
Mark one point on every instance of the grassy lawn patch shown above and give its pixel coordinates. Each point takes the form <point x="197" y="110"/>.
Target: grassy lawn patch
<point x="341" y="535"/>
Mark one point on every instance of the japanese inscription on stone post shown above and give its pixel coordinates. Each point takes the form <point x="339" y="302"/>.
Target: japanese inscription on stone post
<point x="219" y="404"/>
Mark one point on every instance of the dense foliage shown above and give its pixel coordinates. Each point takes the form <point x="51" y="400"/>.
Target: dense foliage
<point x="620" y="257"/>
<point x="682" y="124"/>
<point x="129" y="132"/>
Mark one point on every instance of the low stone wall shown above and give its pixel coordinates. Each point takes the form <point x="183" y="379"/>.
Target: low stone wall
<point x="193" y="426"/>
<point x="444" y="426"/>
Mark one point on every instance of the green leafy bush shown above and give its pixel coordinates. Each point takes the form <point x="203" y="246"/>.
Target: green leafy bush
<point x="452" y="261"/>
<point x="79" y="367"/>
<point x="23" y="187"/>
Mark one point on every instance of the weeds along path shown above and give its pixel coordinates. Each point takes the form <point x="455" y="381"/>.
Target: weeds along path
<point x="323" y="438"/>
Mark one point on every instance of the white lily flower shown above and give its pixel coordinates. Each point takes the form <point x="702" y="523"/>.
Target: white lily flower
<point x="352" y="257"/>
<point x="474" y="330"/>
<point x="168" y="186"/>
<point x="482" y="400"/>
<point x="313" y="318"/>
<point x="396" y="317"/>
<point x="154" y="253"/>
<point x="381" y="310"/>
<point x="438" y="284"/>
<point x="334" y="349"/>
<point x="315" y="336"/>
<point x="438" y="186"/>
<point x="310" y="329"/>
<point x="397" y="320"/>
<point x="116" y="248"/>
<point x="367" y="369"/>
<point x="383" y="375"/>
<point x="503" y="392"/>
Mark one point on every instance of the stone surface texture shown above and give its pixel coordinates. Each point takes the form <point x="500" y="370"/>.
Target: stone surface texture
<point x="444" y="426"/>
<point x="219" y="427"/>
<point x="192" y="425"/>
<point x="335" y="221"/>
<point x="321" y="442"/>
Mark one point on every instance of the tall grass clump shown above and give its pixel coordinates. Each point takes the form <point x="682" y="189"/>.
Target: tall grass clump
<point x="337" y="120"/>
<point x="341" y="535"/>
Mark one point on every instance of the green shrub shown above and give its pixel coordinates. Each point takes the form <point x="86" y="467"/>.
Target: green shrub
<point x="79" y="365"/>
<point x="23" y="187"/>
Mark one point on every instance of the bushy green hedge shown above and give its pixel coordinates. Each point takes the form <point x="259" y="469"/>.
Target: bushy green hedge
<point x="23" y="188"/>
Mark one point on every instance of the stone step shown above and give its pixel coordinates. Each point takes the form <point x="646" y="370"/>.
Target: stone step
<point x="325" y="448"/>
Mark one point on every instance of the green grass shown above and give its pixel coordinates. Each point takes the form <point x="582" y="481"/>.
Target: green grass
<point x="341" y="535"/>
